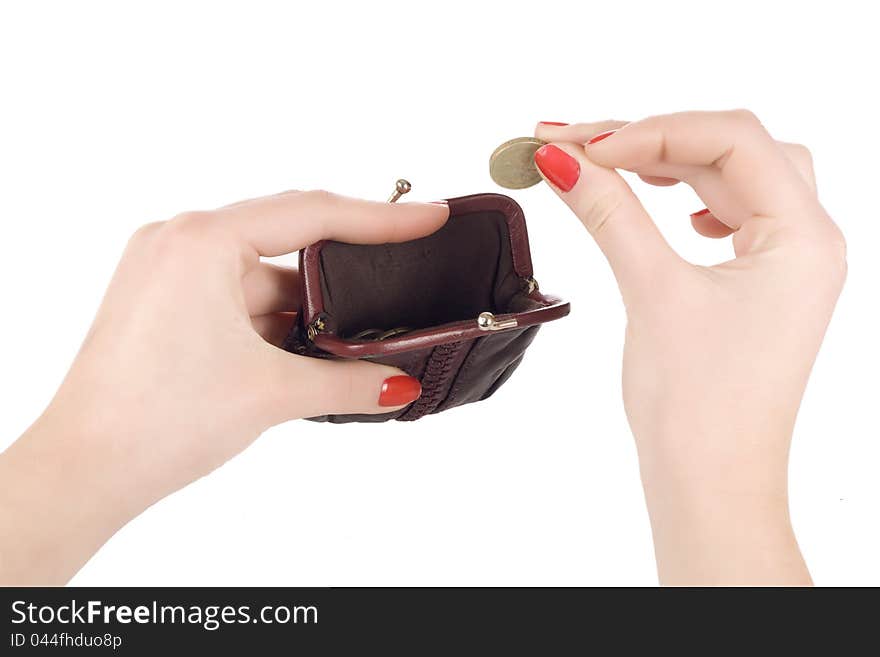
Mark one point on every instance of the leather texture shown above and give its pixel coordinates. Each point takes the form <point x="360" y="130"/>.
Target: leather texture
<point x="436" y="286"/>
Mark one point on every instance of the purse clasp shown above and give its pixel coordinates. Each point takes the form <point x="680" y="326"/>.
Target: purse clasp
<point x="401" y="187"/>
<point x="487" y="322"/>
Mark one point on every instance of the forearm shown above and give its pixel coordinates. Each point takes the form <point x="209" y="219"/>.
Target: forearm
<point x="718" y="520"/>
<point x="57" y="507"/>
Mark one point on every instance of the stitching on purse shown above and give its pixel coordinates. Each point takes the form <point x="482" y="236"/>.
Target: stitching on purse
<point x="465" y="367"/>
<point x="435" y="381"/>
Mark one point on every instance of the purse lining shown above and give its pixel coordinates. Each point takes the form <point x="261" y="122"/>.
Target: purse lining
<point x="456" y="273"/>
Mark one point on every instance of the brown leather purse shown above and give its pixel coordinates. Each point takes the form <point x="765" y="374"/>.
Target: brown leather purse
<point x="456" y="309"/>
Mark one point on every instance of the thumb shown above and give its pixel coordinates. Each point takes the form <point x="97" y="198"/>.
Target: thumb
<point x="607" y="207"/>
<point x="315" y="386"/>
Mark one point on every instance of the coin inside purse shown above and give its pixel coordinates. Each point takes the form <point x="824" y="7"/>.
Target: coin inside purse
<point x="464" y="269"/>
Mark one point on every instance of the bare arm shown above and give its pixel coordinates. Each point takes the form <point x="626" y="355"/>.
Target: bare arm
<point x="716" y="358"/>
<point x="180" y="372"/>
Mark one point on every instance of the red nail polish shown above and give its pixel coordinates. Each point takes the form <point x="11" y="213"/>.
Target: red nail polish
<point x="557" y="123"/>
<point x="601" y="136"/>
<point x="399" y="390"/>
<point x="700" y="213"/>
<point x="560" y="168"/>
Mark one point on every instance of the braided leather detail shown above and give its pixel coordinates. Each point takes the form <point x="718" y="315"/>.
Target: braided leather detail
<point x="436" y="380"/>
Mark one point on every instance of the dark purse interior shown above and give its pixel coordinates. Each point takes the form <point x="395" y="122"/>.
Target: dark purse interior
<point x="461" y="270"/>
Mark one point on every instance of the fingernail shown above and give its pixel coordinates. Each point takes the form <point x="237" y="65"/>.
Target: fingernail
<point x="559" y="123"/>
<point x="700" y="213"/>
<point x="601" y="136"/>
<point x="560" y="168"/>
<point x="439" y="202"/>
<point x="399" y="390"/>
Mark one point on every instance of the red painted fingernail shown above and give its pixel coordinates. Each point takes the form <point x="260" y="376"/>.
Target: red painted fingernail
<point x="560" y="168"/>
<point x="559" y="123"/>
<point x="700" y="213"/>
<point x="399" y="390"/>
<point x="601" y="136"/>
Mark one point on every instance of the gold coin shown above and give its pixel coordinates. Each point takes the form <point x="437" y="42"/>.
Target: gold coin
<point x="512" y="165"/>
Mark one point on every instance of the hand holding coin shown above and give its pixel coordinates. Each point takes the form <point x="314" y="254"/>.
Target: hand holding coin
<point x="512" y="164"/>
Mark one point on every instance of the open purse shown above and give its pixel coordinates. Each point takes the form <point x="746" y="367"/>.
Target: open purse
<point x="456" y="309"/>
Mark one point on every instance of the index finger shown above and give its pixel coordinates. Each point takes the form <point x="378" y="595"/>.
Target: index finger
<point x="284" y="223"/>
<point x="708" y="150"/>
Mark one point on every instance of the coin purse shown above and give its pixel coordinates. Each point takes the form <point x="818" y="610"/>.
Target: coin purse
<point x="456" y="309"/>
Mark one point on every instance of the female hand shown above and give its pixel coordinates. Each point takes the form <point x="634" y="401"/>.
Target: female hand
<point x="716" y="358"/>
<point x="179" y="372"/>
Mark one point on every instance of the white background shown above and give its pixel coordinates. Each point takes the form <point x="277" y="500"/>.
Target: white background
<point x="116" y="114"/>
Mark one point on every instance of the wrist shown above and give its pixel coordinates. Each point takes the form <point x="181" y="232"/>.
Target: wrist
<point x="719" y="511"/>
<point x="60" y="493"/>
<point x="725" y="539"/>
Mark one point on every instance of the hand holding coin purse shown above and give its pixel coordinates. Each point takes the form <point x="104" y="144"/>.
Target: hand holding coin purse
<point x="456" y="309"/>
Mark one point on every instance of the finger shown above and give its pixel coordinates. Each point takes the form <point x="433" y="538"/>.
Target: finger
<point x="275" y="225"/>
<point x="580" y="133"/>
<point x="583" y="132"/>
<point x="576" y="133"/>
<point x="800" y="156"/>
<point x="659" y="181"/>
<point x="308" y="387"/>
<point x="269" y="288"/>
<point x="708" y="226"/>
<point x="274" y="327"/>
<point x="610" y="211"/>
<point x="257" y="198"/>
<point x="701" y="147"/>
